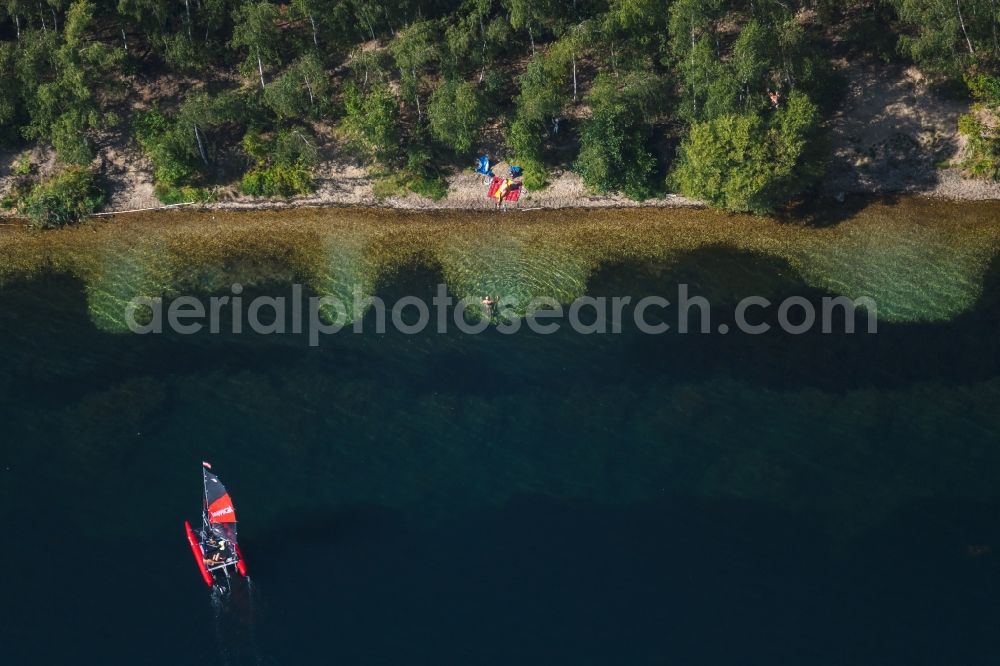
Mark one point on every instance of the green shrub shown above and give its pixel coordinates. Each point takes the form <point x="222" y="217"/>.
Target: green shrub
<point x="432" y="186"/>
<point x="278" y="180"/>
<point x="745" y="163"/>
<point x="23" y="166"/>
<point x="526" y="139"/>
<point x="63" y="199"/>
<point x="389" y="185"/>
<point x="174" y="163"/>
<point x="423" y="176"/>
<point x="371" y="120"/>
<point x="284" y="164"/>
<point x="175" y="194"/>
<point x="614" y="143"/>
<point x="456" y="115"/>
<point x="181" y="145"/>
<point x="982" y="151"/>
<point x="613" y="154"/>
<point x="985" y="88"/>
<point x="419" y="176"/>
<point x="69" y="137"/>
<point x="981" y="128"/>
<point x="20" y="186"/>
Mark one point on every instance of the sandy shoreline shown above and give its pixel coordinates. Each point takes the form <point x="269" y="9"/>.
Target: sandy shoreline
<point x="566" y="191"/>
<point x="466" y="191"/>
<point x="892" y="135"/>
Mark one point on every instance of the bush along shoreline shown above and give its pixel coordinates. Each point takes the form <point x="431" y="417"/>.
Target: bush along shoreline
<point x="69" y="196"/>
<point x="727" y="102"/>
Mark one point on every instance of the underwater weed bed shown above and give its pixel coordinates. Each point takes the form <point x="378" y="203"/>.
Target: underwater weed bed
<point x="918" y="259"/>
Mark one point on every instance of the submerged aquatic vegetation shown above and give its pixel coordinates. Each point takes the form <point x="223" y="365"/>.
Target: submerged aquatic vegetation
<point x="918" y="259"/>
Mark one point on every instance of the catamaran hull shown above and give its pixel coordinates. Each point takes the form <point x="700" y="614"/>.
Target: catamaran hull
<point x="199" y="556"/>
<point x="241" y="566"/>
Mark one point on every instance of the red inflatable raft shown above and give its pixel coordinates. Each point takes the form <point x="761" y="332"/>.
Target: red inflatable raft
<point x="513" y="194"/>
<point x="199" y="557"/>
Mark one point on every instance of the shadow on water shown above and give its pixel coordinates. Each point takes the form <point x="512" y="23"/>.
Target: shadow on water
<point x="59" y="353"/>
<point x="824" y="211"/>
<point x="961" y="351"/>
<point x="989" y="301"/>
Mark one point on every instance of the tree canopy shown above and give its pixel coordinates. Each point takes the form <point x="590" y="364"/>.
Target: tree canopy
<point x="723" y="100"/>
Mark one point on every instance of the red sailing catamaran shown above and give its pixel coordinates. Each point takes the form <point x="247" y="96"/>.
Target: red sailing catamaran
<point x="215" y="546"/>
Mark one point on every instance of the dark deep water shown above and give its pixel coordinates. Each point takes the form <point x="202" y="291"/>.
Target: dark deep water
<point x="565" y="499"/>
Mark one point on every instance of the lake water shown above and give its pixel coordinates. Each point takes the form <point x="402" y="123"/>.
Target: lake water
<point x="507" y="499"/>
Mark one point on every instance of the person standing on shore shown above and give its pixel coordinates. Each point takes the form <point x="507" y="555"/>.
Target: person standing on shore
<point x="502" y="191"/>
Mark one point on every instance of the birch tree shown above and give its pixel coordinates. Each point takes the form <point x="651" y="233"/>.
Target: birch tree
<point x="255" y="33"/>
<point x="16" y="10"/>
<point x="315" y="16"/>
<point x="690" y="31"/>
<point x="64" y="106"/>
<point x="946" y="37"/>
<point x="456" y="115"/>
<point x="530" y="16"/>
<point x="414" y="49"/>
<point x="302" y="90"/>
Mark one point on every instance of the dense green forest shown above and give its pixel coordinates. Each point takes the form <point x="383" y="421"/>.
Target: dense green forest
<point x="723" y="101"/>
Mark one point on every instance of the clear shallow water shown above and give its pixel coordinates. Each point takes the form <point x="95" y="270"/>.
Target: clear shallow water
<point x="508" y="499"/>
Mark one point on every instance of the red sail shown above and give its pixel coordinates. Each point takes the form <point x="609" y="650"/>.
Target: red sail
<point x="218" y="504"/>
<point x="222" y="511"/>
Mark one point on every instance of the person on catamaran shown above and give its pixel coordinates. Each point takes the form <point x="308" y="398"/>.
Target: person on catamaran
<point x="219" y="556"/>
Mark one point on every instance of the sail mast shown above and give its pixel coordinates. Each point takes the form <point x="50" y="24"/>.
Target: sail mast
<point x="204" y="494"/>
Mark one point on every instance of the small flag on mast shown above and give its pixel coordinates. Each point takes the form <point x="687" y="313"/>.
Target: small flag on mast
<point x="206" y="465"/>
